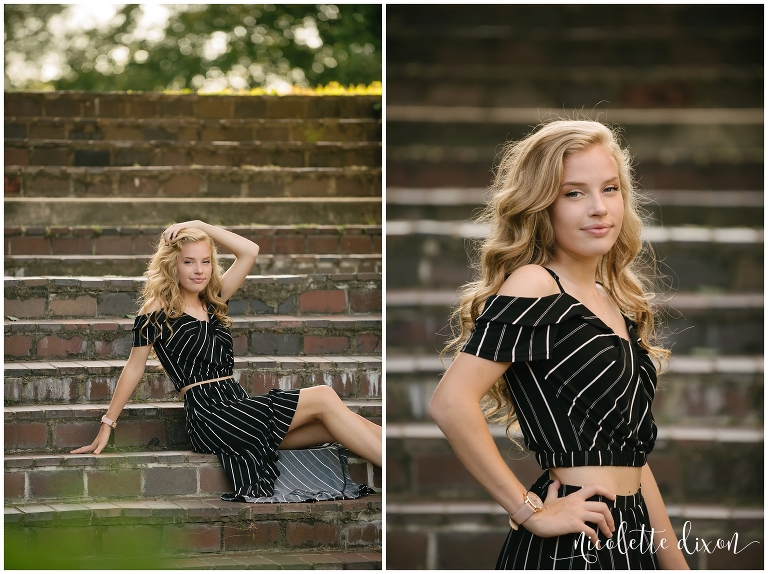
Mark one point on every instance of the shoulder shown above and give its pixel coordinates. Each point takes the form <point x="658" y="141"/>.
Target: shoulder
<point x="148" y="309"/>
<point x="529" y="281"/>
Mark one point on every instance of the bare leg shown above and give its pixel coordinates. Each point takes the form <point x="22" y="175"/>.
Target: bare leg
<point x="322" y="404"/>
<point x="315" y="433"/>
<point x="373" y="427"/>
<point x="307" y="435"/>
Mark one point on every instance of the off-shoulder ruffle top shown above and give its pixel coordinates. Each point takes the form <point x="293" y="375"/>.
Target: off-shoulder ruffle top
<point x="195" y="351"/>
<point x="582" y="393"/>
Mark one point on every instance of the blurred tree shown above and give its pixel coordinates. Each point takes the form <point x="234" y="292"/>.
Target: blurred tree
<point x="209" y="47"/>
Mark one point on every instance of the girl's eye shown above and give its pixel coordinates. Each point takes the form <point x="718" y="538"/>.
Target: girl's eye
<point x="573" y="193"/>
<point x="611" y="188"/>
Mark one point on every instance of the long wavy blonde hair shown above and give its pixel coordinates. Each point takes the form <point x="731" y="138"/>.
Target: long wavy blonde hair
<point x="526" y="183"/>
<point x="162" y="286"/>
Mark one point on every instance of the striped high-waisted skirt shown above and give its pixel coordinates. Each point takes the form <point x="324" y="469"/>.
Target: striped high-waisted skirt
<point x="244" y="432"/>
<point x="630" y="548"/>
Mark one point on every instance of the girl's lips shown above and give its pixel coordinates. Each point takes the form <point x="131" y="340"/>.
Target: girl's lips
<point x="597" y="231"/>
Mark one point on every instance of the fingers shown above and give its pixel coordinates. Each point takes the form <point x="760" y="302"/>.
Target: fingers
<point x="592" y="535"/>
<point x="102" y="443"/>
<point x="593" y="489"/>
<point x="98" y="443"/>
<point x="170" y="233"/>
<point x="599" y="514"/>
<point x="552" y="490"/>
<point x="84" y="449"/>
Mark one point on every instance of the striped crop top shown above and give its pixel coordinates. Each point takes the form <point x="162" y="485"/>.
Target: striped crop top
<point x="582" y="393"/>
<point x="195" y="351"/>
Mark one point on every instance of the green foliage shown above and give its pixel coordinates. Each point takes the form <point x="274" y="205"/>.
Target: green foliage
<point x="57" y="548"/>
<point x="214" y="46"/>
<point x="331" y="89"/>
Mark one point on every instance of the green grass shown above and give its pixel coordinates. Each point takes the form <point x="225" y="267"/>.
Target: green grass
<point x="75" y="548"/>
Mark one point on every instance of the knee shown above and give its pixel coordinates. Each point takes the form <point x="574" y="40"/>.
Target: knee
<point x="326" y="396"/>
<point x="321" y="397"/>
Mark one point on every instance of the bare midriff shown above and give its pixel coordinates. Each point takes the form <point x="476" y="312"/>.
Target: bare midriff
<point x="621" y="480"/>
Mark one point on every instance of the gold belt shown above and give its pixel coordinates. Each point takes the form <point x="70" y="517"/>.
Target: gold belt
<point x="183" y="390"/>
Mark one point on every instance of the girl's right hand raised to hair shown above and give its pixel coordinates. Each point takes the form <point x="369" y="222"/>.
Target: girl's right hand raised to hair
<point x="97" y="445"/>
<point x="570" y="514"/>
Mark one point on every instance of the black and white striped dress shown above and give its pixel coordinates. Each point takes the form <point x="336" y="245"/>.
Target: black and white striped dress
<point x="244" y="432"/>
<point x="583" y="397"/>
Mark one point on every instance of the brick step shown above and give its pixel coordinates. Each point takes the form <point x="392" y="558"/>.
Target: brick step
<point x="193" y="129"/>
<point x="139" y="239"/>
<point x="310" y="560"/>
<point x="191" y="559"/>
<point x="533" y="44"/>
<point x="168" y="153"/>
<point x="427" y="158"/>
<point x="36" y="477"/>
<point x="695" y="391"/>
<point x="556" y="86"/>
<point x="576" y="22"/>
<point x="200" y="182"/>
<point x="100" y="339"/>
<point x="648" y="141"/>
<point x="632" y="116"/>
<point x="691" y="465"/>
<point x="122" y="211"/>
<point x="159" y="527"/>
<point x="155" y="425"/>
<point x="748" y="158"/>
<point x="433" y="255"/>
<point x="469" y="535"/>
<point x="75" y="104"/>
<point x="434" y="170"/>
<point x="550" y="49"/>
<point x="85" y="382"/>
<point x="90" y="297"/>
<point x="666" y="207"/>
<point x="693" y="324"/>
<point x="134" y="265"/>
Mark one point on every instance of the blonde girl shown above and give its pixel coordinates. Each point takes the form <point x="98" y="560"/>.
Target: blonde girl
<point x="557" y="334"/>
<point x="183" y="318"/>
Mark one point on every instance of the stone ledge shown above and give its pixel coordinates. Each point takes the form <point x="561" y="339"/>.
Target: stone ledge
<point x="82" y="382"/>
<point x="185" y="475"/>
<point x="189" y="510"/>
<point x="355" y="258"/>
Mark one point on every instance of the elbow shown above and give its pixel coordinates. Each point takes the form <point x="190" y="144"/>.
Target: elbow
<point x="255" y="251"/>
<point x="439" y="408"/>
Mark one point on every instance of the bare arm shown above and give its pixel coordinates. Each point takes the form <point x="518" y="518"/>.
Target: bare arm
<point x="238" y="245"/>
<point x="670" y="557"/>
<point x="244" y="250"/>
<point x="126" y="384"/>
<point x="456" y="403"/>
<point x="455" y="407"/>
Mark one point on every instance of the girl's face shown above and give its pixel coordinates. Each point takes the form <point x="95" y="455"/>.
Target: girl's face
<point x="589" y="209"/>
<point x="194" y="266"/>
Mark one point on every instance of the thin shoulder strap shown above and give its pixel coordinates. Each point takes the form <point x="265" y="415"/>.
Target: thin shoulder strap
<point x="556" y="279"/>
